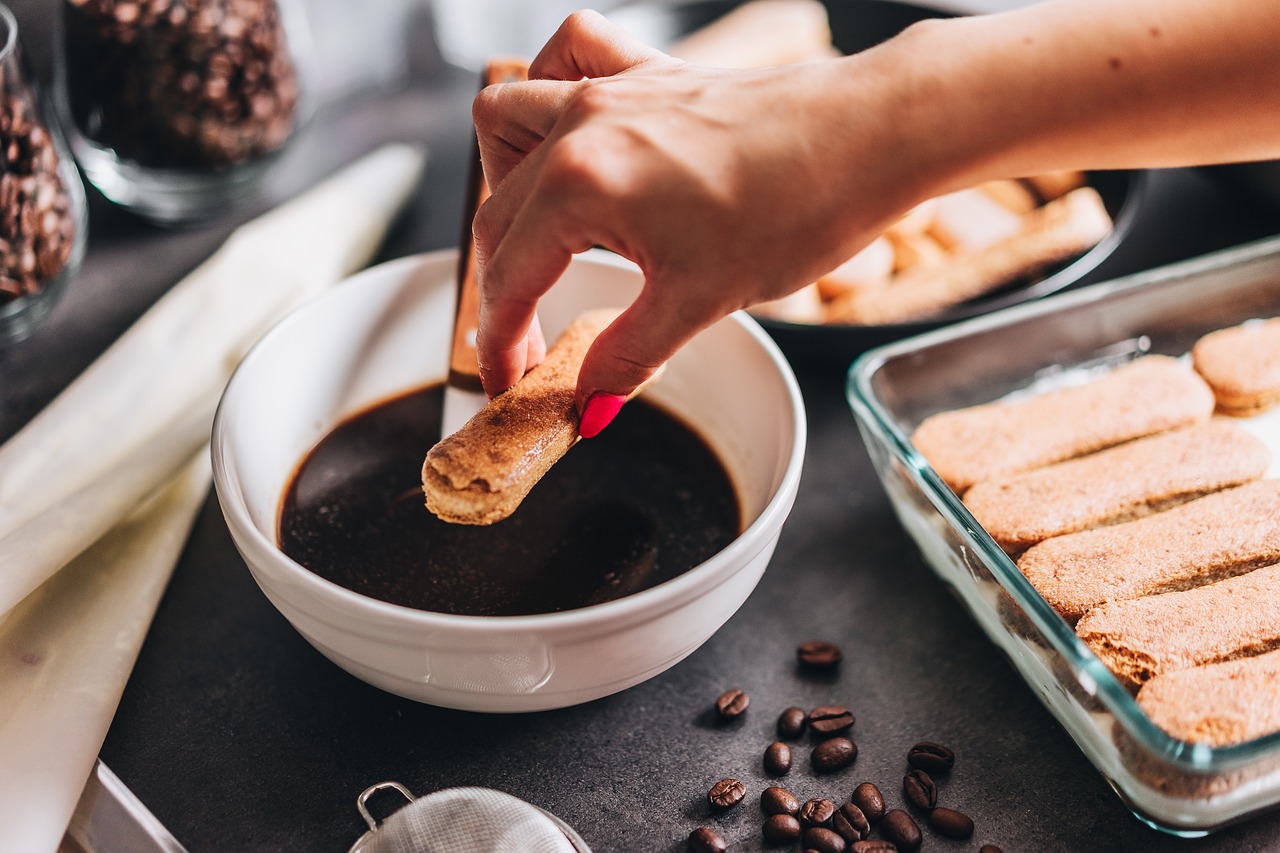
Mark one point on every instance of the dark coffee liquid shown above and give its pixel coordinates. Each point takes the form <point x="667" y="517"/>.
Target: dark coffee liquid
<point x="641" y="503"/>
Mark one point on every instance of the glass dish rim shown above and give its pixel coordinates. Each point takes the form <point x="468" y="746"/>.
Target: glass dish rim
<point x="1115" y="698"/>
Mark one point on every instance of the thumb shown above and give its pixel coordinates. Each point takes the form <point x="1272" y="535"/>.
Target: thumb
<point x="627" y="354"/>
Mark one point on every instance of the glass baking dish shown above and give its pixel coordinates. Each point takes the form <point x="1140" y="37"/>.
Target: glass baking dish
<point x="1183" y="788"/>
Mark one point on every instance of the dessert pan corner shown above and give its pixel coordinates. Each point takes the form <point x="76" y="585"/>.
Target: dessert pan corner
<point x="1183" y="788"/>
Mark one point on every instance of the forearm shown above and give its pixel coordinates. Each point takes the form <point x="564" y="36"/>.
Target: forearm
<point x="1085" y="84"/>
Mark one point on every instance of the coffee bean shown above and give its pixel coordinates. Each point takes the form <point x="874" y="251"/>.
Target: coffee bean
<point x="704" y="839"/>
<point x="792" y="723"/>
<point x="830" y="720"/>
<point x="989" y="848"/>
<point x="951" y="823"/>
<point x="781" y="829"/>
<point x="933" y="757"/>
<point x="833" y="754"/>
<point x="920" y="789"/>
<point x="777" y="759"/>
<point x="732" y="703"/>
<point x="899" y="828"/>
<point x="868" y="798"/>
<point x="824" y="840"/>
<point x="726" y="793"/>
<point x="819" y="654"/>
<point x="874" y="845"/>
<point x="775" y="800"/>
<point x="817" y="812"/>
<point x="851" y="823"/>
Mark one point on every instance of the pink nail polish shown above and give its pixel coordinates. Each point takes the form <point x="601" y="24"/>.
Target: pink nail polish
<point x="600" y="411"/>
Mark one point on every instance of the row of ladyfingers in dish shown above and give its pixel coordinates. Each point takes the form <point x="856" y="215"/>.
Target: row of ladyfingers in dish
<point x="954" y="248"/>
<point x="1145" y="523"/>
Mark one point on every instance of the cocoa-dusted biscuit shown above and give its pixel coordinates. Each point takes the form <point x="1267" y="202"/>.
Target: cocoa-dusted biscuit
<point x="1117" y="484"/>
<point x="1060" y="229"/>
<point x="1242" y="366"/>
<point x="1209" y="539"/>
<point x="1149" y="395"/>
<point x="482" y="472"/>
<point x="1051" y="185"/>
<point x="1217" y="704"/>
<point x="1141" y="638"/>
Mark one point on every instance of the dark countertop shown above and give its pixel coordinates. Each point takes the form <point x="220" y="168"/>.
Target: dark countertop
<point x="239" y="736"/>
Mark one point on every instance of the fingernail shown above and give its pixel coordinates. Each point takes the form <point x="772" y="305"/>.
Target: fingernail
<point x="599" y="412"/>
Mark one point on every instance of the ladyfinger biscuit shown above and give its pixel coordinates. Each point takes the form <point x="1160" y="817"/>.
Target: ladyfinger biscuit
<point x="1013" y="195"/>
<point x="800" y="306"/>
<point x="1118" y="484"/>
<point x="915" y="251"/>
<point x="1209" y="539"/>
<point x="1051" y="185"/>
<point x="482" y="472"/>
<point x="1059" y="230"/>
<point x="1141" y="638"/>
<point x="915" y="221"/>
<point x="970" y="220"/>
<point x="1242" y="366"/>
<point x="1149" y="395"/>
<point x="871" y="267"/>
<point x="759" y="34"/>
<point x="1217" y="704"/>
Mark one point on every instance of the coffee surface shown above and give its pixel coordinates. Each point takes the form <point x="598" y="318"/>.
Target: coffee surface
<point x="641" y="503"/>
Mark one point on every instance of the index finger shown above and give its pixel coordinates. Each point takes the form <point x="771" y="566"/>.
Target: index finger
<point x="525" y="262"/>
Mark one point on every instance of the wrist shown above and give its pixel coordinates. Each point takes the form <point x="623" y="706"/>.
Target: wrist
<point x="905" y="132"/>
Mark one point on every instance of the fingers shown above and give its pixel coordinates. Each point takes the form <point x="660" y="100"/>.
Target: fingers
<point x="526" y="258"/>
<point x="589" y="45"/>
<point x="512" y="119"/>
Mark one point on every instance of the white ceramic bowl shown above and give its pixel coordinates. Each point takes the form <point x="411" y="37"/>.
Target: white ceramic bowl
<point x="386" y="331"/>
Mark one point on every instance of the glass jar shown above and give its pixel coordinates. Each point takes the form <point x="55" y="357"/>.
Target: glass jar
<point x="43" y="220"/>
<point x="176" y="108"/>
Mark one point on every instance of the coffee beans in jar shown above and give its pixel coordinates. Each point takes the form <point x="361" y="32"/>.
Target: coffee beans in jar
<point x="41" y="202"/>
<point x="181" y="84"/>
<point x="176" y="109"/>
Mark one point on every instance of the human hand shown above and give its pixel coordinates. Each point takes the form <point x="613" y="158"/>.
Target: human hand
<point x="727" y="188"/>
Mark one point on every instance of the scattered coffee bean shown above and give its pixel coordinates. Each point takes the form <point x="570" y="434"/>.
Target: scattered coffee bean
<point x="732" y="703"/>
<point x="819" y="654"/>
<point x="781" y="829"/>
<point x="920" y="790"/>
<point x="817" y="812"/>
<point x="851" y="823"/>
<point x="868" y="798"/>
<point x="989" y="848"/>
<point x="899" y="828"/>
<point x="951" y="823"/>
<point x="824" y="840"/>
<point x="792" y="723"/>
<point x="830" y="720"/>
<point x="777" y="759"/>
<point x="933" y="757"/>
<point x="704" y="839"/>
<point x="775" y="800"/>
<point x="874" y="845"/>
<point x="833" y="754"/>
<point x="726" y="793"/>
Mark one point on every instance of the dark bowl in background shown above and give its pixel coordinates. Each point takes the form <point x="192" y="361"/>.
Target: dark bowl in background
<point x="857" y="25"/>
<point x="1260" y="180"/>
